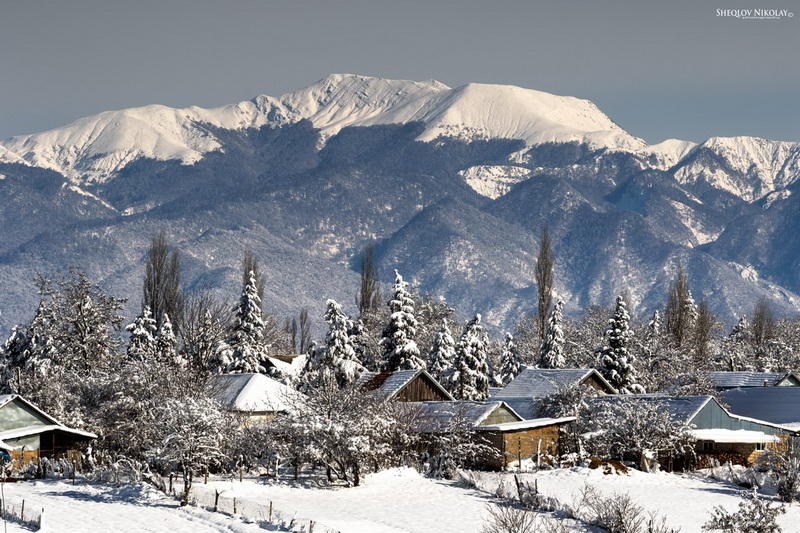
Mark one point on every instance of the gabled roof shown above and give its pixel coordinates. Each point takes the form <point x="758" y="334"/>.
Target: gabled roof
<point x="732" y="380"/>
<point x="528" y="424"/>
<point x="34" y="430"/>
<point x="388" y="385"/>
<point x="435" y="417"/>
<point x="252" y="393"/>
<point x="778" y="405"/>
<point x="542" y="382"/>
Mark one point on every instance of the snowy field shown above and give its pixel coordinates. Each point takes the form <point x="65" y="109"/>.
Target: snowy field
<point x="136" y="508"/>
<point x="394" y="501"/>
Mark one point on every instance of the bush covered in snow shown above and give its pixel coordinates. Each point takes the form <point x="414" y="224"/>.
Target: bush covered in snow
<point x="754" y="515"/>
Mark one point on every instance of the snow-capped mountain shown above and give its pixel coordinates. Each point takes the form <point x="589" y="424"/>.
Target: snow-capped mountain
<point x="95" y="148"/>
<point x="454" y="186"/>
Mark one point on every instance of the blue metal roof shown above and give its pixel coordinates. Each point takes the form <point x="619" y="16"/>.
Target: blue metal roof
<point x="680" y="408"/>
<point x="732" y="380"/>
<point x="778" y="405"/>
<point x="541" y="382"/>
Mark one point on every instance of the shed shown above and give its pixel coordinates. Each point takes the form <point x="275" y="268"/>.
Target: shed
<point x="256" y="396"/>
<point x="404" y="386"/>
<point x="533" y="384"/>
<point x="28" y="433"/>
<point x="512" y="437"/>
<point x="733" y="380"/>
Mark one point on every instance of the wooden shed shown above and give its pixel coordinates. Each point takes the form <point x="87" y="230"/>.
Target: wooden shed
<point x="537" y="439"/>
<point x="28" y="433"/>
<point x="404" y="386"/>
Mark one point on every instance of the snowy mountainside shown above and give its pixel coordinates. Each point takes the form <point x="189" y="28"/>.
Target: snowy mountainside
<point x="452" y="185"/>
<point x="95" y="148"/>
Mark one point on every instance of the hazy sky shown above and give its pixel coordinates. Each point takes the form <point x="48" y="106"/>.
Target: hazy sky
<point x="667" y="69"/>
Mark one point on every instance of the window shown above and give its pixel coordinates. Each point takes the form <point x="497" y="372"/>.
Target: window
<point x="759" y="446"/>
<point x="708" y="446"/>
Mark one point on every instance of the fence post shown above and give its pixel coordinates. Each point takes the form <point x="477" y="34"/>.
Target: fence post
<point x="22" y="513"/>
<point x="234" y="506"/>
<point x="41" y="519"/>
<point x="171" y="491"/>
<point x="310" y="526"/>
<point x="216" y="500"/>
<point x="270" y="511"/>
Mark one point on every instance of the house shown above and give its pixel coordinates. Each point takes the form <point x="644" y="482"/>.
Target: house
<point x="533" y="384"/>
<point x="290" y="365"/>
<point x="735" y="380"/>
<point x="255" y="396"/>
<point x="776" y="405"/>
<point x="510" y="436"/>
<point x="718" y="431"/>
<point x="403" y="386"/>
<point x="29" y="433"/>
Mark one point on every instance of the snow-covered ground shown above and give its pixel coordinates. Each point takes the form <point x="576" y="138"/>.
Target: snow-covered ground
<point x="101" y="508"/>
<point x="394" y="501"/>
<point x="685" y="500"/>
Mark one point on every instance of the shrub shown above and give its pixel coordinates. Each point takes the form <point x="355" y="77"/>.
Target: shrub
<point x="754" y="516"/>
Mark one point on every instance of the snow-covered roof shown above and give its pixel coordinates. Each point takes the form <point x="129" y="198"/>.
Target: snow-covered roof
<point x="542" y="382"/>
<point x="778" y="405"/>
<point x="732" y="380"/>
<point x="35" y="430"/>
<point x="389" y="384"/>
<point x="528" y="424"/>
<point x="253" y="393"/>
<point x="435" y="417"/>
<point x="737" y="436"/>
<point x="292" y="368"/>
<point x="680" y="408"/>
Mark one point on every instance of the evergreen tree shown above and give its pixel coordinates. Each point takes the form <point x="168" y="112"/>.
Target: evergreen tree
<point x="335" y="363"/>
<point x="510" y="362"/>
<point x="442" y="356"/>
<point x="738" y="349"/>
<point x="166" y="343"/>
<point x="142" y="344"/>
<point x="244" y="350"/>
<point x="615" y="360"/>
<point x="551" y="354"/>
<point x="398" y="342"/>
<point x="471" y="377"/>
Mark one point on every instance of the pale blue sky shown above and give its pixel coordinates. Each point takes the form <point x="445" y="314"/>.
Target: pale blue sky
<point x="659" y="69"/>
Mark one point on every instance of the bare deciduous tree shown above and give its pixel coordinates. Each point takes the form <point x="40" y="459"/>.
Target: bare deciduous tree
<point x="369" y="294"/>
<point x="162" y="281"/>
<point x="763" y="323"/>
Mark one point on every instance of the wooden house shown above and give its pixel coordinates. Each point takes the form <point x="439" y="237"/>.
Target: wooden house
<point x="404" y="386"/>
<point x="28" y="433"/>
<point x="254" y="396"/>
<point x="735" y="380"/>
<point x="533" y="384"/>
<point x="510" y="436"/>
<point x="720" y="433"/>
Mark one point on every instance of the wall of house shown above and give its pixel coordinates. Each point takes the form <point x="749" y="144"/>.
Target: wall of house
<point x="522" y="444"/>
<point x="15" y="414"/>
<point x="421" y="390"/>
<point x="597" y="388"/>
<point x="712" y="416"/>
<point x="501" y="415"/>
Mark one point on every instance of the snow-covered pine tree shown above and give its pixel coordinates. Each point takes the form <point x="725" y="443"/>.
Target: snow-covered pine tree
<point x="616" y="363"/>
<point x="142" y="344"/>
<point x="166" y="343"/>
<point x="398" y="342"/>
<point x="42" y="351"/>
<point x="510" y="362"/>
<point x="340" y="354"/>
<point x="471" y="376"/>
<point x="551" y="354"/>
<point x="245" y="346"/>
<point x="442" y="356"/>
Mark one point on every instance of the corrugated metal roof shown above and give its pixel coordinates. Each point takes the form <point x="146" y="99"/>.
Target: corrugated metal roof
<point x="436" y="417"/>
<point x="541" y="382"/>
<point x="778" y="405"/>
<point x="528" y="424"/>
<point x="732" y="380"/>
<point x="680" y="408"/>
